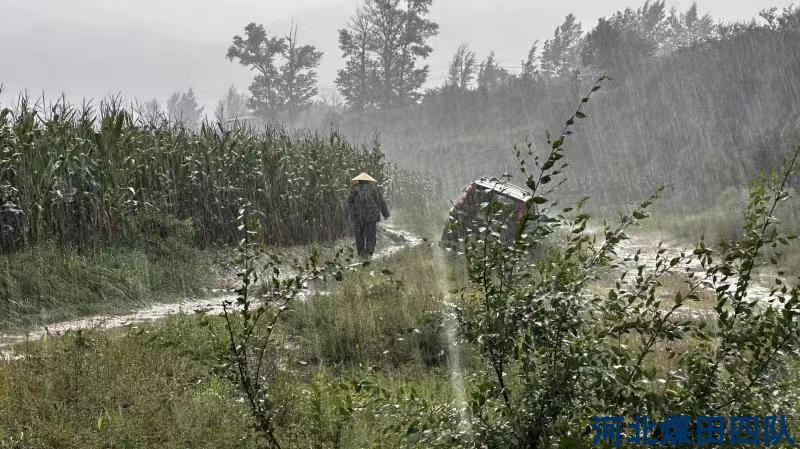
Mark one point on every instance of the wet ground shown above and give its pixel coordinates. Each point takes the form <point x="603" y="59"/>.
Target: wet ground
<point x="390" y="241"/>
<point x="647" y="246"/>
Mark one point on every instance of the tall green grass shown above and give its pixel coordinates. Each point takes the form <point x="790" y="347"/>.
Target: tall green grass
<point x="389" y="314"/>
<point x="46" y="283"/>
<point x="155" y="261"/>
<point x="153" y="388"/>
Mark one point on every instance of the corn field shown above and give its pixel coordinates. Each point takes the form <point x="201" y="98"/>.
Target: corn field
<point x="82" y="175"/>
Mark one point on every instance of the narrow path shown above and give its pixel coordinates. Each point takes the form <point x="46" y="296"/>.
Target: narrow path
<point x="391" y="241"/>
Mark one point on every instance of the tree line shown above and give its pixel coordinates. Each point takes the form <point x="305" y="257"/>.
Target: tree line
<point x="385" y="45"/>
<point x="615" y="45"/>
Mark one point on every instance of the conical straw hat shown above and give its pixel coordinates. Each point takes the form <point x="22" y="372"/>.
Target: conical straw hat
<point x="363" y="177"/>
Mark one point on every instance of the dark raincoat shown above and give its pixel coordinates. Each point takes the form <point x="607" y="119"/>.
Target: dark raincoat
<point x="366" y="205"/>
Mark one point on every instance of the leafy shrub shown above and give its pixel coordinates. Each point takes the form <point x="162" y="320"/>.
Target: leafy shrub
<point x="555" y="354"/>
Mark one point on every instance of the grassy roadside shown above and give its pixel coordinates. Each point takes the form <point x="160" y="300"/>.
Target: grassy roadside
<point x="389" y="314"/>
<point x="48" y="283"/>
<point x="101" y="389"/>
<point x="164" y="386"/>
<point x="91" y="389"/>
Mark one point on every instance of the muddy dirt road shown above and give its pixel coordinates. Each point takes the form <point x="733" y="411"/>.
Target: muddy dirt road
<point x="391" y="240"/>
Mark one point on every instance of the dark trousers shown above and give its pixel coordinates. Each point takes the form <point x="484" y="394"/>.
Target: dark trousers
<point x="365" y="236"/>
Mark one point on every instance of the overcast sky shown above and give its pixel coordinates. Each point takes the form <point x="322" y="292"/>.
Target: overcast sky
<point x="151" y="48"/>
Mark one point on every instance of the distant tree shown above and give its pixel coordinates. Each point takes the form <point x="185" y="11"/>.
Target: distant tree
<point x="787" y="18"/>
<point x="650" y="20"/>
<point x="232" y="106"/>
<point x="560" y="54"/>
<point x="417" y="31"/>
<point x="258" y="51"/>
<point x="285" y="77"/>
<point x="772" y="19"/>
<point x="462" y="68"/>
<point x="619" y="42"/>
<point x="613" y="48"/>
<point x="183" y="107"/>
<point x="150" y="112"/>
<point x="531" y="66"/>
<point x="298" y="79"/>
<point x="491" y="75"/>
<point x="399" y="37"/>
<point x="387" y="18"/>
<point x="688" y="28"/>
<point x="383" y="45"/>
<point x="358" y="80"/>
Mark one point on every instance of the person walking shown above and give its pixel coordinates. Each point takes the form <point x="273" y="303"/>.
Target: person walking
<point x="366" y="205"/>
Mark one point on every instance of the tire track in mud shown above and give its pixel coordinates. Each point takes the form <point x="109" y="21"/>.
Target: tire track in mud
<point x="394" y="241"/>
